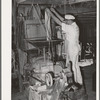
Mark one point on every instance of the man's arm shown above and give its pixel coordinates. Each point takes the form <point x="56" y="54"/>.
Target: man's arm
<point x="54" y="17"/>
<point x="60" y="17"/>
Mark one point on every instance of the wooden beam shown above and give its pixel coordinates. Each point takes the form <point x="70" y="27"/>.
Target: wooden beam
<point x="51" y="1"/>
<point x="78" y="1"/>
<point x="41" y="1"/>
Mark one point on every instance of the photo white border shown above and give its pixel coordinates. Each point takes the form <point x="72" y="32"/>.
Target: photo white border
<point x="6" y="23"/>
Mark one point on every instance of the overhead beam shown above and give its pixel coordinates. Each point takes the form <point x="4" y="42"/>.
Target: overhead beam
<point x="51" y="1"/>
<point x="78" y="1"/>
<point x="40" y="1"/>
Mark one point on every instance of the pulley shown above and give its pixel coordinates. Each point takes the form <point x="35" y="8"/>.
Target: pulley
<point x="49" y="79"/>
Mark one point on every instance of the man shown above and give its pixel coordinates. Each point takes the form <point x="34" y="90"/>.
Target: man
<point x="72" y="47"/>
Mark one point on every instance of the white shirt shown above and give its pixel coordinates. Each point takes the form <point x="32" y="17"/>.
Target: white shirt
<point x="72" y="32"/>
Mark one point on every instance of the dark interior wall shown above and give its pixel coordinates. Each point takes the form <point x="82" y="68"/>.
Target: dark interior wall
<point x="87" y="33"/>
<point x="74" y="9"/>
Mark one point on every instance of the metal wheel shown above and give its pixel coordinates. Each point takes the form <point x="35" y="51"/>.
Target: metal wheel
<point x="49" y="79"/>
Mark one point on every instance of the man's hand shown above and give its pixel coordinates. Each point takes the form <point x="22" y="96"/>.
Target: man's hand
<point x="53" y="16"/>
<point x="47" y="9"/>
<point x="58" y="16"/>
<point x="52" y="9"/>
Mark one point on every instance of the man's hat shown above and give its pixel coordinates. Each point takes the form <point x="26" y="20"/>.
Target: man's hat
<point x="69" y="17"/>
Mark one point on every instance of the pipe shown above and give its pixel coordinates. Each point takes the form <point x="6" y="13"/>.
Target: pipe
<point x="37" y="79"/>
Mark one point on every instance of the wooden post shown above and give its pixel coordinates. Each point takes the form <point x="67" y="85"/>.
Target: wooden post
<point x="14" y="20"/>
<point x="44" y="54"/>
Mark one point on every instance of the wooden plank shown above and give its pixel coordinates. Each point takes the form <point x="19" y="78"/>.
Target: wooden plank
<point x="41" y="1"/>
<point x="51" y="1"/>
<point x="78" y="1"/>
